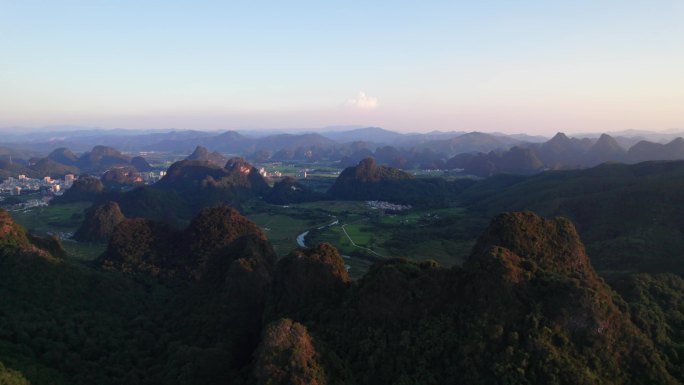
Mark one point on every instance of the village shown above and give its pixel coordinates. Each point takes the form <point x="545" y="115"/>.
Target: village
<point x="15" y="186"/>
<point x="381" y="205"/>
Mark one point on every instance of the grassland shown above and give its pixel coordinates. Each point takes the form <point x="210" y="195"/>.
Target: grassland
<point x="366" y="234"/>
<point x="62" y="221"/>
<point x="59" y="219"/>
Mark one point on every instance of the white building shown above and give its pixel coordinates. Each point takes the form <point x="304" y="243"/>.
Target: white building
<point x="69" y="180"/>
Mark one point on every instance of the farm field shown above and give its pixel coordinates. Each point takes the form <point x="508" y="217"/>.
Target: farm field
<point x="62" y="221"/>
<point x="361" y="233"/>
<point x="367" y="234"/>
<point x="59" y="220"/>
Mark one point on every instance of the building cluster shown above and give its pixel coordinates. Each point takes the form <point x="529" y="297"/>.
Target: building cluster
<point x="381" y="205"/>
<point x="152" y="176"/>
<point x="22" y="183"/>
<point x="267" y="174"/>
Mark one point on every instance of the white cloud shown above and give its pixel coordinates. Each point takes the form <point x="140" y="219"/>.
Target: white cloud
<point x="363" y="101"/>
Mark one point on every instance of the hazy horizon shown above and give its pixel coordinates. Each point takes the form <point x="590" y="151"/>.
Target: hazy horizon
<point x="449" y="66"/>
<point x="323" y="130"/>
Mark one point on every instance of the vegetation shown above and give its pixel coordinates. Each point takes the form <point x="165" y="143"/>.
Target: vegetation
<point x="99" y="223"/>
<point x="628" y="215"/>
<point x="85" y="188"/>
<point x="11" y="377"/>
<point x="526" y="307"/>
<point x="191" y="292"/>
<point x="369" y="181"/>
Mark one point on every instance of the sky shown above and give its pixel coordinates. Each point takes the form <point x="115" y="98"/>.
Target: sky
<point x="509" y="66"/>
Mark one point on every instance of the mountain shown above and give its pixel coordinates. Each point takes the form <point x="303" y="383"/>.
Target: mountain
<point x="287" y="355"/>
<point x="606" y="149"/>
<point x="470" y="142"/>
<point x="64" y="156"/>
<point x="129" y="327"/>
<point x="101" y="158"/>
<point x="15" y="242"/>
<point x="362" y="181"/>
<point x="13" y="169"/>
<point x="230" y="142"/>
<point x="663" y="136"/>
<point x="293" y="142"/>
<point x="120" y="177"/>
<point x="517" y="160"/>
<point x="527" y="307"/>
<point x="209" y="304"/>
<point x="12" y="154"/>
<point x="85" y="188"/>
<point x="306" y="280"/>
<point x="201" y="153"/>
<point x="289" y="190"/>
<point x="216" y="239"/>
<point x="629" y="215"/>
<point x="370" y="181"/>
<point x="245" y="176"/>
<point x="48" y="167"/>
<point x="100" y="221"/>
<point x="645" y="150"/>
<point x="140" y="164"/>
<point x="370" y="134"/>
<point x="188" y="187"/>
<point x="561" y="152"/>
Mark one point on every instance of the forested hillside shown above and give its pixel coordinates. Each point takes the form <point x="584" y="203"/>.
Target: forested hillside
<point x="526" y="307"/>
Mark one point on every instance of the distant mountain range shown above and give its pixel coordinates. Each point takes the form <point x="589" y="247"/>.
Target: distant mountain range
<point x="562" y="152"/>
<point x="477" y="153"/>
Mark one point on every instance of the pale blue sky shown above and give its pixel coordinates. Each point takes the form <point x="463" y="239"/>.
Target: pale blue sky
<point x="514" y="66"/>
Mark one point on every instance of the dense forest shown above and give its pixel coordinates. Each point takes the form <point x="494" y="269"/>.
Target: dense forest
<point x="189" y="291"/>
<point x="210" y="305"/>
